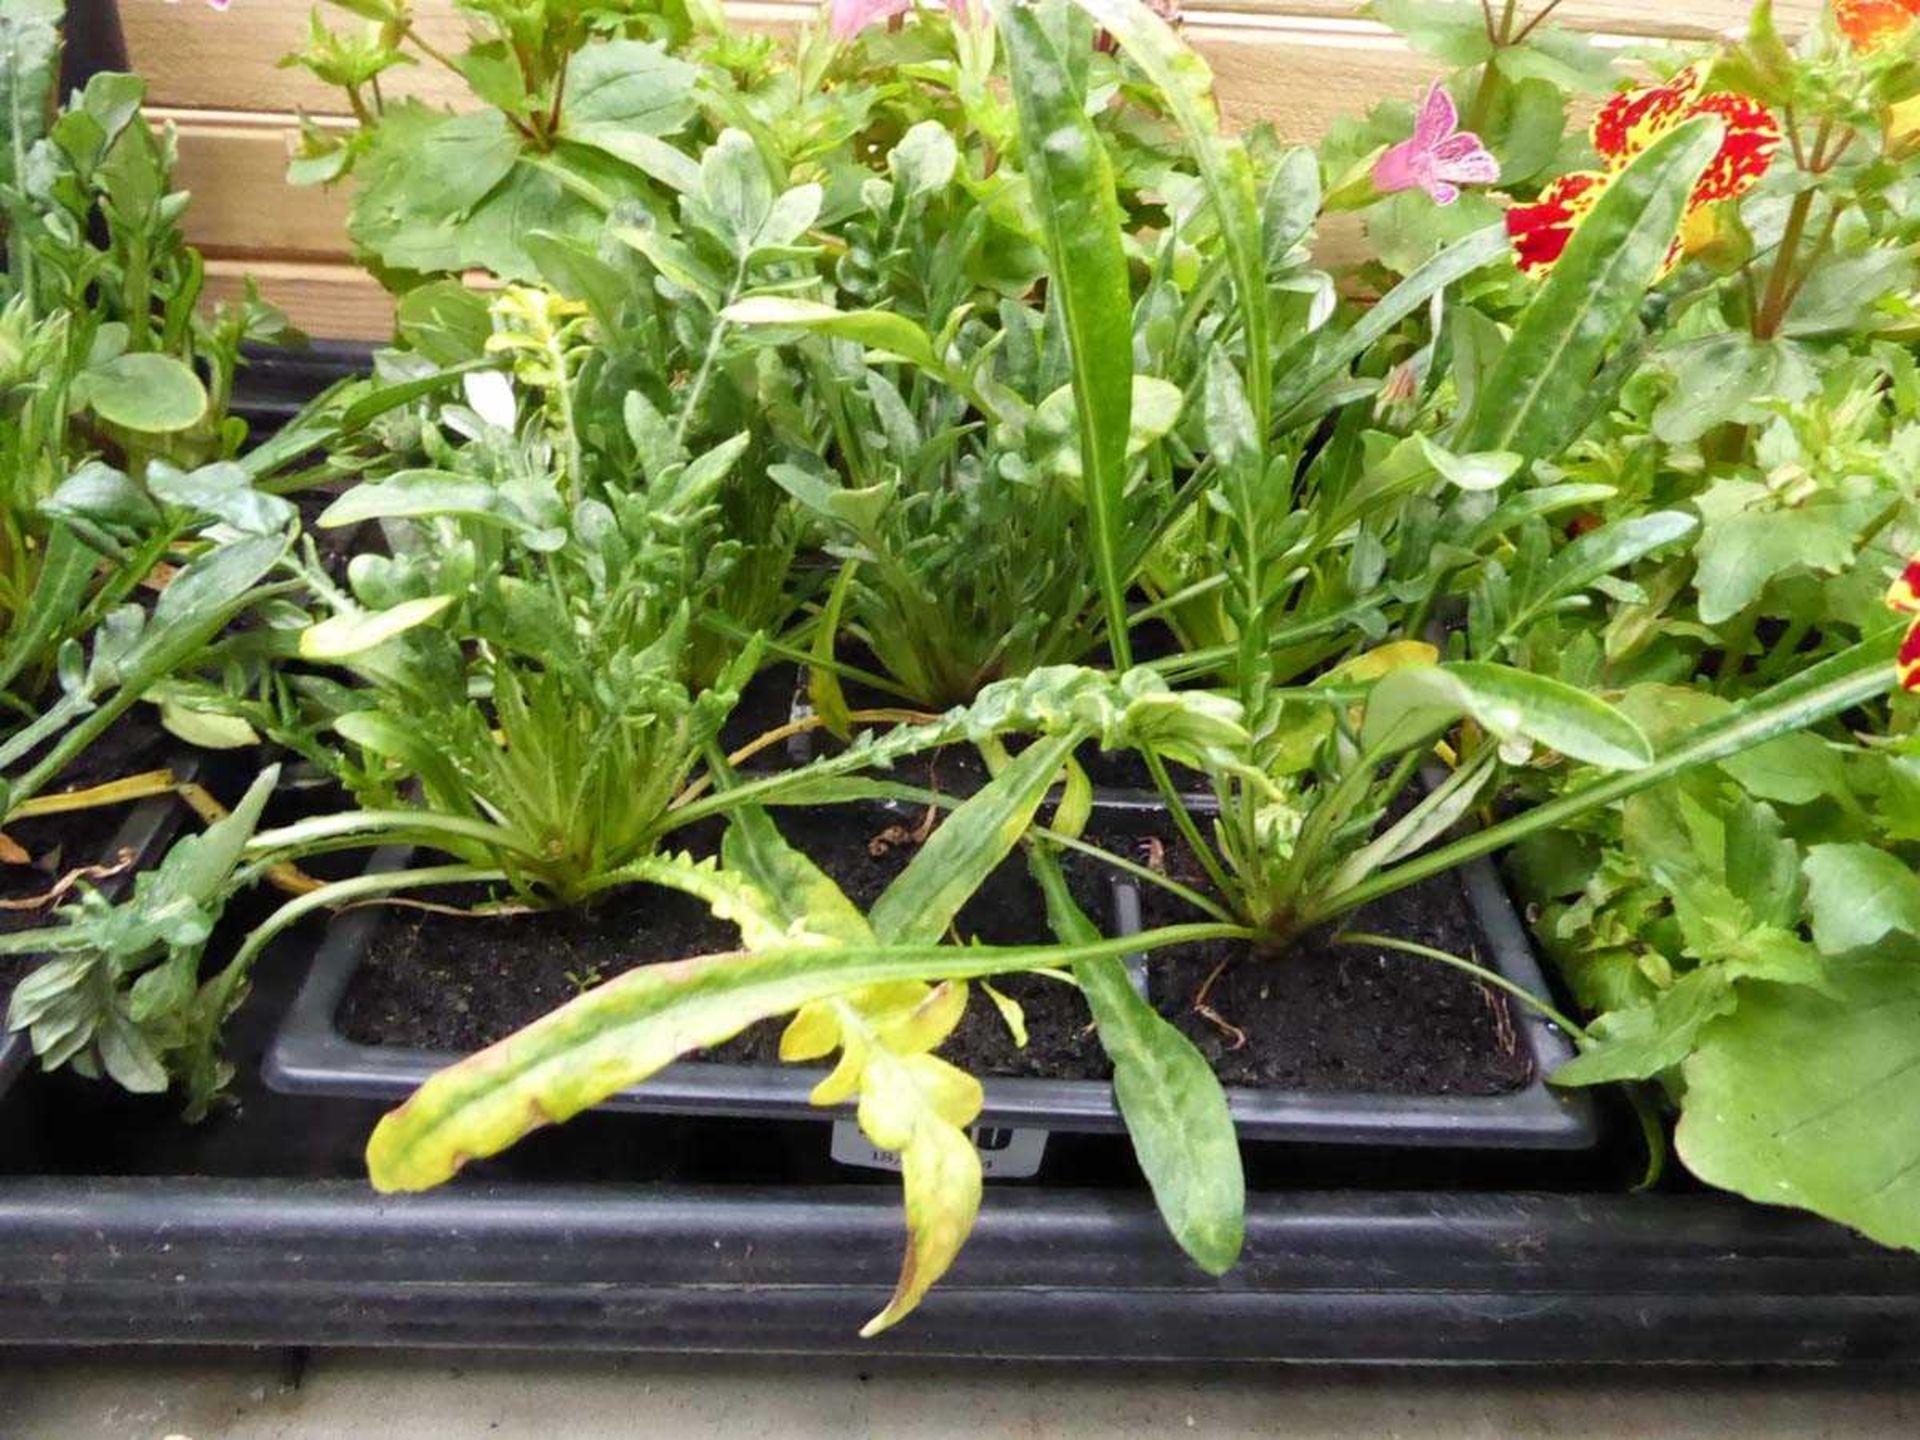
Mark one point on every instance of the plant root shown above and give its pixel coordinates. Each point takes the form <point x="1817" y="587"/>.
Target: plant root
<point x="66" y="882"/>
<point x="1236" y="1037"/>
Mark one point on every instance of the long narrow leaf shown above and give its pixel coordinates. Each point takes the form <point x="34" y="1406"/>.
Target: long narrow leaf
<point x="59" y="592"/>
<point x="1852" y="678"/>
<point x="1317" y="367"/>
<point x="1169" y="1096"/>
<point x="1542" y="382"/>
<point x="619" y="1033"/>
<point x="1072" y="181"/>
<point x="923" y="899"/>
<point x="1186" y="85"/>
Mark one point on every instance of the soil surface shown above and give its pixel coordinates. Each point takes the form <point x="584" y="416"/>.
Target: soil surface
<point x="1321" y="1016"/>
<point x="436" y="982"/>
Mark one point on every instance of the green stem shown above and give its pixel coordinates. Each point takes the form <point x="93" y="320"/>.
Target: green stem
<point x="340" y="892"/>
<point x="1801" y="708"/>
<point x="698" y="389"/>
<point x="1479" y="972"/>
<point x="1183" y="821"/>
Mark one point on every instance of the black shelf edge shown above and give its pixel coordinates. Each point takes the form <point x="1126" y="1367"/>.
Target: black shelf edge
<point x="1073" y="1275"/>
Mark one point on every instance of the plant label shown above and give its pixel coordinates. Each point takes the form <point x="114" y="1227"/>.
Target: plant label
<point x="1004" y="1154"/>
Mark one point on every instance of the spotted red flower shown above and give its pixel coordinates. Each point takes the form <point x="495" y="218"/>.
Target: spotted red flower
<point x="1540" y="231"/>
<point x="1904" y="595"/>
<point x="1870" y="24"/>
<point x="1627" y="124"/>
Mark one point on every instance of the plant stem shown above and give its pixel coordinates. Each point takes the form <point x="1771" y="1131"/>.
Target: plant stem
<point x="1800" y="710"/>
<point x="1479" y="972"/>
<point x="1483" y="93"/>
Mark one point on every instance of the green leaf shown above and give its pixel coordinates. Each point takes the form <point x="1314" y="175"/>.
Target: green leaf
<point x="223" y="491"/>
<point x="1445" y="29"/>
<point x="1740" y="553"/>
<point x="1793" y="770"/>
<point x="1597" y="553"/>
<point x="423" y="177"/>
<point x="1858" y="894"/>
<point x="630" y="86"/>
<point x="415" y="494"/>
<point x="1186" y="85"/>
<point x="353" y="632"/>
<point x="444" y="321"/>
<point x="1803" y="1098"/>
<point x="970" y="843"/>
<point x="1175" y="1110"/>
<point x="1642" y="1041"/>
<point x="875" y="329"/>
<point x="798" y="890"/>
<point x="1312" y="363"/>
<point x="29" y="63"/>
<point x="1541" y="385"/>
<point x="823" y="681"/>
<point x="53" y="606"/>
<point x="1072" y="180"/>
<point x="1415" y="702"/>
<point x="154" y="394"/>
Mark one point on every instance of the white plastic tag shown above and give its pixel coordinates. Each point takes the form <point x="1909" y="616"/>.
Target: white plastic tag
<point x="1004" y="1154"/>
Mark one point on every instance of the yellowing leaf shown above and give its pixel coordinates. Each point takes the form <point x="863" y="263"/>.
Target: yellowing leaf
<point x="357" y="631"/>
<point x="814" y="1031"/>
<point x="940" y="1174"/>
<point x="1383" y="659"/>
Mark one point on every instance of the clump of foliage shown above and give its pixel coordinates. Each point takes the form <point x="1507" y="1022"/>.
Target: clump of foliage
<point x="1571" y="544"/>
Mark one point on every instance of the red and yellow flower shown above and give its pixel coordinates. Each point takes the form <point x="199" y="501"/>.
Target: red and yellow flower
<point x="1871" y="24"/>
<point x="1625" y="127"/>
<point x="1904" y="595"/>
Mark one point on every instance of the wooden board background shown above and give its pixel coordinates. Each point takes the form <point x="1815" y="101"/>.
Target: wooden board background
<point x="1298" y="63"/>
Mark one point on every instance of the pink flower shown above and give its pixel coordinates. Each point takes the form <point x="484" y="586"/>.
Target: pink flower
<point x="1440" y="157"/>
<point x="849" y="17"/>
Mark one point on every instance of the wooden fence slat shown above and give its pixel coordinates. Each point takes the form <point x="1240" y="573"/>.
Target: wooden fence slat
<point x="198" y="58"/>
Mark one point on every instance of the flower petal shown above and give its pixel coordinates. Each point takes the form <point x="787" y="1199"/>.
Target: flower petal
<point x="1751" y="138"/>
<point x="849" y="17"/>
<point x="1904" y="594"/>
<point x="1464" y="160"/>
<point x="1633" y="119"/>
<point x="1438" y="118"/>
<point x="1870" y="24"/>
<point x="1540" y="231"/>
<point x="1399" y="168"/>
<point x="1907" y="662"/>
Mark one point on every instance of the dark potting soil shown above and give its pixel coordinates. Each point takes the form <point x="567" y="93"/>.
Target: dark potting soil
<point x="1321" y="1016"/>
<point x="435" y="982"/>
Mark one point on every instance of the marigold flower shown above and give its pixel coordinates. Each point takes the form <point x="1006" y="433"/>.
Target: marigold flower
<point x="1626" y="126"/>
<point x="1439" y="158"/>
<point x="1904" y="596"/>
<point x="1870" y="24"/>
